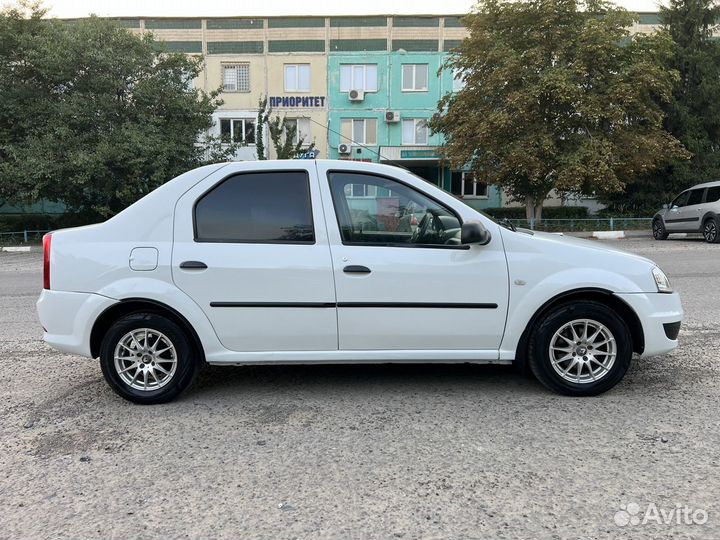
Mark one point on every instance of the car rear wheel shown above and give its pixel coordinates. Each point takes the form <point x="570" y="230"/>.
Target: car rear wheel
<point x="580" y="349"/>
<point x="711" y="228"/>
<point x="658" y="230"/>
<point x="147" y="358"/>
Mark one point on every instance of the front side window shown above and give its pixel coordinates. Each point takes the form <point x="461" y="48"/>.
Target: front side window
<point x="302" y="129"/>
<point x="236" y="77"/>
<point x="237" y="130"/>
<point x="464" y="184"/>
<point x="681" y="200"/>
<point x="272" y="207"/>
<point x="696" y="196"/>
<point x="376" y="210"/>
<point x="414" y="77"/>
<point x="297" y="77"/>
<point x="358" y="77"/>
<point x="414" y="131"/>
<point x="359" y="130"/>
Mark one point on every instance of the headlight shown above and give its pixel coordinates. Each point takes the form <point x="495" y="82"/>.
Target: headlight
<point x="661" y="280"/>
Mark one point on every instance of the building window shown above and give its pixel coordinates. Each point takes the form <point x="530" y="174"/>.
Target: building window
<point x="297" y="77"/>
<point x="236" y="77"/>
<point x="302" y="129"/>
<point x="358" y="77"/>
<point x="415" y="131"/>
<point x="458" y="83"/>
<point x="359" y="130"/>
<point x="237" y="130"/>
<point x="271" y="207"/>
<point x="414" y="77"/>
<point x="463" y="184"/>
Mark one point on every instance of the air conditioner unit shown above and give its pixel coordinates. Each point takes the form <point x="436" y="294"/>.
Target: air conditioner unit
<point x="356" y="95"/>
<point x="392" y="116"/>
<point x="344" y="148"/>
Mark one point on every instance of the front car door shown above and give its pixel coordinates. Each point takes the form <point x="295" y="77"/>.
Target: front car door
<point x="403" y="281"/>
<point x="251" y="249"/>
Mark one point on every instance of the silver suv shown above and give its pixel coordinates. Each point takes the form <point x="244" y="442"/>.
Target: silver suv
<point x="694" y="210"/>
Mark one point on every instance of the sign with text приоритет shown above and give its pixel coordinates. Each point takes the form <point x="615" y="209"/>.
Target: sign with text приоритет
<point x="297" y="101"/>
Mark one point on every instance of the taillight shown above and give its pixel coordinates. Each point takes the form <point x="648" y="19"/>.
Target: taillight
<point x="47" y="241"/>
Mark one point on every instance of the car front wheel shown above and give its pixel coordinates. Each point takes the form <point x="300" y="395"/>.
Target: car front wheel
<point x="658" y="230"/>
<point x="580" y="349"/>
<point x="147" y="358"/>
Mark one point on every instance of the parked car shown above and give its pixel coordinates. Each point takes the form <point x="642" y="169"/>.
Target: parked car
<point x="695" y="210"/>
<point x="263" y="263"/>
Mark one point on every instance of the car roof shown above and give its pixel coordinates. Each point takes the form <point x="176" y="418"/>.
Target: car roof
<point x="714" y="183"/>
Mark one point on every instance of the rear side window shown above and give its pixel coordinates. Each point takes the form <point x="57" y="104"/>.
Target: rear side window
<point x="268" y="207"/>
<point x="713" y="194"/>
<point x="696" y="196"/>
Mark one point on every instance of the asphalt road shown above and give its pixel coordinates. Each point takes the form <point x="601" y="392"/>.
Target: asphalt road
<point x="361" y="452"/>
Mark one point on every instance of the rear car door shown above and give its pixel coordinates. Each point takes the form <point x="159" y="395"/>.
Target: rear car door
<point x="251" y="249"/>
<point x="688" y="216"/>
<point x="403" y="280"/>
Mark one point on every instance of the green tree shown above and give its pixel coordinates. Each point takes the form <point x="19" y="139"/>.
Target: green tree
<point x="282" y="132"/>
<point x="94" y="116"/>
<point x="693" y="115"/>
<point x="557" y="95"/>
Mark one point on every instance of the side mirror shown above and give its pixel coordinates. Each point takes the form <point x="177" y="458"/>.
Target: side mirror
<point x="666" y="206"/>
<point x="472" y="232"/>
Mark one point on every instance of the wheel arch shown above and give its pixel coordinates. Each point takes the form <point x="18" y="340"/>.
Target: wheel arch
<point x="137" y="305"/>
<point x="602" y="296"/>
<point x="708" y="215"/>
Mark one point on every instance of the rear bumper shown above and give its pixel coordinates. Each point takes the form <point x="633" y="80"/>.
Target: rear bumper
<point x="660" y="316"/>
<point x="68" y="318"/>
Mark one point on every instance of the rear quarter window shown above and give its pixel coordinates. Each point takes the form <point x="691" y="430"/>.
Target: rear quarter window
<point x="267" y="207"/>
<point x="713" y="194"/>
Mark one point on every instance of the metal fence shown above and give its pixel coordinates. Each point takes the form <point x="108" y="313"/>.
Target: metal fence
<point x="18" y="238"/>
<point x="585" y="224"/>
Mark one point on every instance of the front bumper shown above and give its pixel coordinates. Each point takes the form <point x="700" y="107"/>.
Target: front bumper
<point x="657" y="312"/>
<point x="68" y="318"/>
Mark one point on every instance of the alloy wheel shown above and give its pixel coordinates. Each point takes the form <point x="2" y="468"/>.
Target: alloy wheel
<point x="583" y="351"/>
<point x="145" y="359"/>
<point x="710" y="231"/>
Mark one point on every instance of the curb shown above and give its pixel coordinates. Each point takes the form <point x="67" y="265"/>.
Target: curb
<point x="16" y="249"/>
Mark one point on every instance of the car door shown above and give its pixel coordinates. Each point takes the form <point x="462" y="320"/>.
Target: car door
<point x="403" y="281"/>
<point x="685" y="211"/>
<point x="251" y="249"/>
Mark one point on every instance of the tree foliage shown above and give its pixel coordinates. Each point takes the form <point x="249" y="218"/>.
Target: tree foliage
<point x="557" y="95"/>
<point x="282" y="132"/>
<point x="94" y="116"/>
<point x="693" y="114"/>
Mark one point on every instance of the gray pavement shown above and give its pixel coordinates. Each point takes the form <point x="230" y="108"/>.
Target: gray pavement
<point x="406" y="451"/>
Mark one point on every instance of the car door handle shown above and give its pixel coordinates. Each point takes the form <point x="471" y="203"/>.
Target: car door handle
<point x="356" y="269"/>
<point x="193" y="265"/>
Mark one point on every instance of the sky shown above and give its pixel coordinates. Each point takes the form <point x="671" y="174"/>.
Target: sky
<point x="245" y="8"/>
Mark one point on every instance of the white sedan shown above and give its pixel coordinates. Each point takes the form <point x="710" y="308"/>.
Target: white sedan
<point x="281" y="262"/>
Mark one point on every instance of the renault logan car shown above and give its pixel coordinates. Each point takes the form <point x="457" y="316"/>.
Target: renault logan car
<point x="696" y="210"/>
<point x="340" y="262"/>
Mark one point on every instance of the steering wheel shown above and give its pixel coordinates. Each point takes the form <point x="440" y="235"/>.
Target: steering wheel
<point x="422" y="228"/>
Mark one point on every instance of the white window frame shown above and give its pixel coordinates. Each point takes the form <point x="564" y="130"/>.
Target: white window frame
<point x="307" y="140"/>
<point x="475" y="186"/>
<point x="369" y="191"/>
<point x="232" y="129"/>
<point x="237" y="86"/>
<point x="297" y="68"/>
<point x="415" y="122"/>
<point x="411" y="86"/>
<point x="355" y="85"/>
<point x="457" y="80"/>
<point x="352" y="139"/>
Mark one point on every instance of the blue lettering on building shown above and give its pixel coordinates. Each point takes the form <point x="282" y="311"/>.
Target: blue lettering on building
<point x="297" y="101"/>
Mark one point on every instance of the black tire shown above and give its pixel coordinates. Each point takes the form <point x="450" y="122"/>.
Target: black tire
<point x="711" y="230"/>
<point x="658" y="230"/>
<point x="544" y="332"/>
<point x="184" y="352"/>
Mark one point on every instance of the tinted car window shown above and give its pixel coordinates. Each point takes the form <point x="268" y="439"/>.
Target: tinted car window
<point x="696" y="196"/>
<point x="681" y="200"/>
<point x="267" y="207"/>
<point x="713" y="194"/>
<point x="381" y="211"/>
